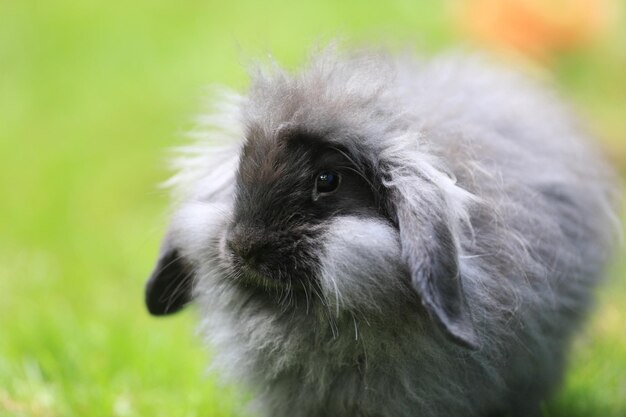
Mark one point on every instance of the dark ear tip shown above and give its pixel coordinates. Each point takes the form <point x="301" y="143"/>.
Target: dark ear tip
<point x="169" y="287"/>
<point x="158" y="306"/>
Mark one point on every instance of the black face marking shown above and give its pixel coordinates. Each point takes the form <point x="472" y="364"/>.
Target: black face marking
<point x="288" y="190"/>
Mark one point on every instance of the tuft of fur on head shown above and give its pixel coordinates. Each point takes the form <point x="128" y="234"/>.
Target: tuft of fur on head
<point x="487" y="219"/>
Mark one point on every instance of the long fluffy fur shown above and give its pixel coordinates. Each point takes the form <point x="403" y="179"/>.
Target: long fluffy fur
<point x="529" y="201"/>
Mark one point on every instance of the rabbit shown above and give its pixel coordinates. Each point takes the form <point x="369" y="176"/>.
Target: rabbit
<point x="380" y="235"/>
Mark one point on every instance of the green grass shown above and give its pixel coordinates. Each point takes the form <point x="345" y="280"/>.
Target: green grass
<point x="91" y="93"/>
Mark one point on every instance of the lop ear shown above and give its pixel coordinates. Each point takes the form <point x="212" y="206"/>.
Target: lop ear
<point x="169" y="287"/>
<point x="429" y="250"/>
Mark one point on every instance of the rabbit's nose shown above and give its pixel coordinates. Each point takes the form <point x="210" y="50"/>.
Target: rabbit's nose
<point x="244" y="250"/>
<point x="244" y="243"/>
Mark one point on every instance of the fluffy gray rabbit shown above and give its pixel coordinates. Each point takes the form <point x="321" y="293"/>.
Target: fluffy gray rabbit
<point x="379" y="236"/>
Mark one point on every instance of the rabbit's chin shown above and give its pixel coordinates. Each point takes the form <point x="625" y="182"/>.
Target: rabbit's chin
<point x="259" y="279"/>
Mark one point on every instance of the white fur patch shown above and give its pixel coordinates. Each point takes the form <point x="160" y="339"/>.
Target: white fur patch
<point x="360" y="263"/>
<point x="195" y="225"/>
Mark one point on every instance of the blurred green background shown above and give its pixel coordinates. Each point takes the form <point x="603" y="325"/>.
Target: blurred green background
<point x="92" y="93"/>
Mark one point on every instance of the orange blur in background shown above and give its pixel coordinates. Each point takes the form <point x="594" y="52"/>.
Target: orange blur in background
<point x="538" y="28"/>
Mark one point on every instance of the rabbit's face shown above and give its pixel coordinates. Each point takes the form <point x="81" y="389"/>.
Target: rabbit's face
<point x="290" y="191"/>
<point x="322" y="217"/>
<point x="306" y="219"/>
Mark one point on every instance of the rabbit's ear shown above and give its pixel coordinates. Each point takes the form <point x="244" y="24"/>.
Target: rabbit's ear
<point x="169" y="287"/>
<point x="430" y="253"/>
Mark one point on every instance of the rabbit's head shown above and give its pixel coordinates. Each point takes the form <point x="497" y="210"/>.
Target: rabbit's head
<point x="328" y="199"/>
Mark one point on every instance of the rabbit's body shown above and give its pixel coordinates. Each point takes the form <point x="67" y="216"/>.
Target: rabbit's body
<point x="488" y="224"/>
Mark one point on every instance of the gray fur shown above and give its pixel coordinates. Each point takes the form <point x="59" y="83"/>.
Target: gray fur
<point x="480" y="154"/>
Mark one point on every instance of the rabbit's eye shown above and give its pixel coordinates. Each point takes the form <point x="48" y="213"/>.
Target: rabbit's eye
<point x="327" y="182"/>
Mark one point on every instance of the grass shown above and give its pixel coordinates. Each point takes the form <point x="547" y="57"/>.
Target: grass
<point x="91" y="93"/>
